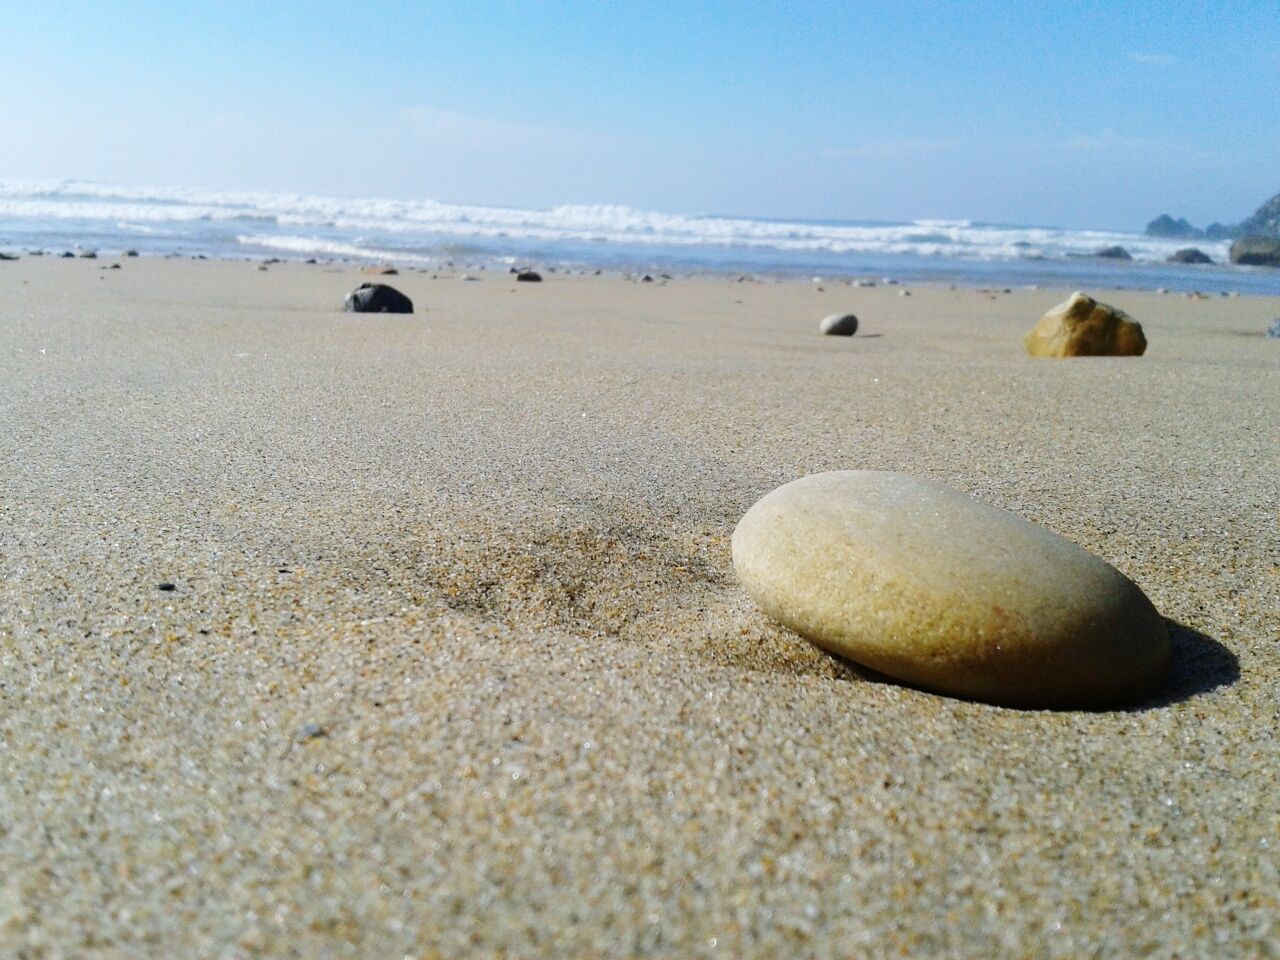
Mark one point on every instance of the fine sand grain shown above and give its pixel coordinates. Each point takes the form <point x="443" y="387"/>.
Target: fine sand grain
<point x="455" y="666"/>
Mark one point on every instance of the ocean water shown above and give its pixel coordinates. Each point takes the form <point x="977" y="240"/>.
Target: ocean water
<point x="60" y="215"/>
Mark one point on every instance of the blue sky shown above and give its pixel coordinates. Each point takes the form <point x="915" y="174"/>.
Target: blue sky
<point x="1073" y="114"/>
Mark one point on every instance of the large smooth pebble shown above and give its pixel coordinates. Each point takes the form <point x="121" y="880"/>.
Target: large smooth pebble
<point x="929" y="586"/>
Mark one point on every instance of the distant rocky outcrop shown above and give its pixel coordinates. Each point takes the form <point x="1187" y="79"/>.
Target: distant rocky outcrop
<point x="1265" y="222"/>
<point x="1190" y="255"/>
<point x="1165" y="226"/>
<point x="1256" y="251"/>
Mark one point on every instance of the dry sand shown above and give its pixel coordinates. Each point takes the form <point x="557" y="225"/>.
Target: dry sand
<point x="455" y="665"/>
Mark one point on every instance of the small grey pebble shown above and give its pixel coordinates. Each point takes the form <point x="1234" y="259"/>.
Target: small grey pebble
<point x="310" y="731"/>
<point x="167" y="586"/>
<point x="1273" y="331"/>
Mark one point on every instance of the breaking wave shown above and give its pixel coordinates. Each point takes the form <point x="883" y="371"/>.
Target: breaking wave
<point x="243" y="223"/>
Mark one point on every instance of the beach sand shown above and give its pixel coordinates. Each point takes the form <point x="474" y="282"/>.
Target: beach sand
<point x="455" y="664"/>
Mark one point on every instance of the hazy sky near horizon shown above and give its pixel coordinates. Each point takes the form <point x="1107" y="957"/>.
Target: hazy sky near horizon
<point x="1073" y="114"/>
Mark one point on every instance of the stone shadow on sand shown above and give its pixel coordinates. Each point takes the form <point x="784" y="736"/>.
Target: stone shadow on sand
<point x="1199" y="665"/>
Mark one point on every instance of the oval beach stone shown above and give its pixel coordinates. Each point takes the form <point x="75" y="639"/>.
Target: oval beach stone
<point x="931" y="587"/>
<point x="839" y="325"/>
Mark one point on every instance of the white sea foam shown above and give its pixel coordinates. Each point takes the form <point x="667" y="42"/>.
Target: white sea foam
<point x="425" y="223"/>
<point x="313" y="246"/>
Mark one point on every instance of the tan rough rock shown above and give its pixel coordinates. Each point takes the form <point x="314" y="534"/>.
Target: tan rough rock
<point x="929" y="586"/>
<point x="1083" y="327"/>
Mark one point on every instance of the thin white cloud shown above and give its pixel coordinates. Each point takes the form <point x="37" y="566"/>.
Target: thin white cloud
<point x="879" y="149"/>
<point x="1152" y="59"/>
<point x="1110" y="143"/>
<point x="449" y="127"/>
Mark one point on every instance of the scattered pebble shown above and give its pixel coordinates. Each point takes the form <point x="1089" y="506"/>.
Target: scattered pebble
<point x="839" y="325"/>
<point x="529" y="276"/>
<point x="166" y="586"/>
<point x="310" y="731"/>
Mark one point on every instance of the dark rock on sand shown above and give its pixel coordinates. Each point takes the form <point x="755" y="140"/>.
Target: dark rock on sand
<point x="88" y="255"/>
<point x="7" y="256"/>
<point x="1165" y="226"/>
<point x="529" y="276"/>
<point x="377" y="298"/>
<point x="131" y="253"/>
<point x="1113" y="253"/>
<point x="1190" y="255"/>
<point x="68" y="254"/>
<point x="1256" y="252"/>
